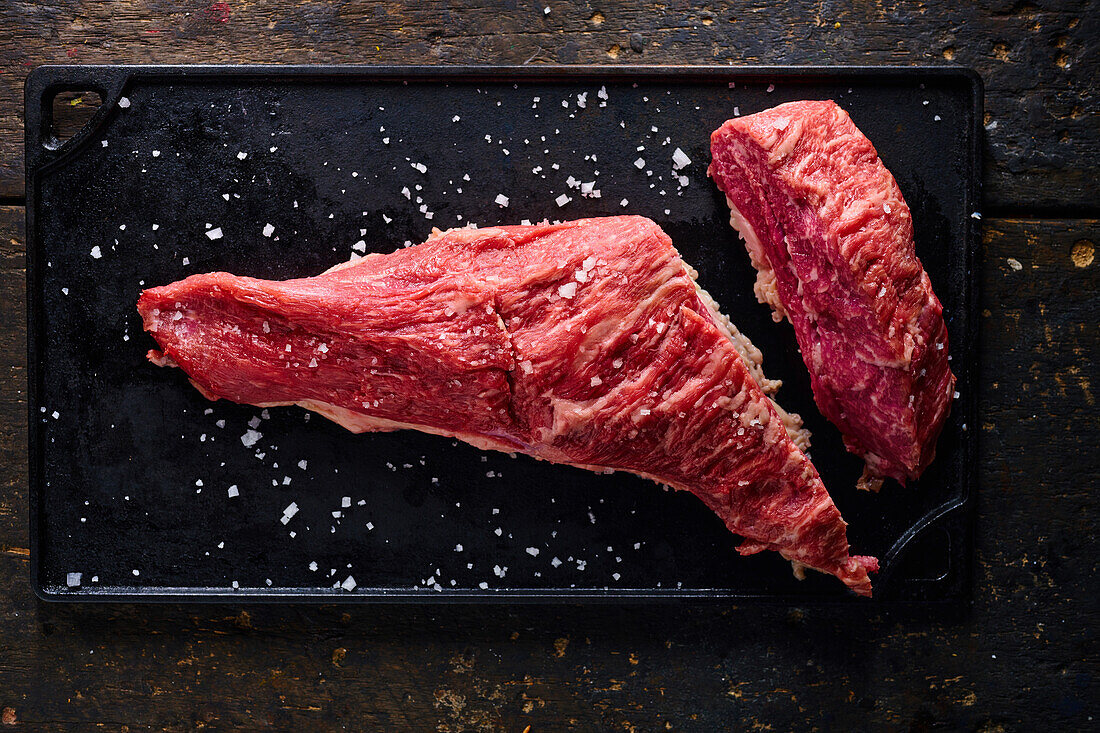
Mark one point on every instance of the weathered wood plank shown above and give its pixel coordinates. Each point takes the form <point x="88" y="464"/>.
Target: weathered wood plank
<point x="1039" y="59"/>
<point x="1022" y="657"/>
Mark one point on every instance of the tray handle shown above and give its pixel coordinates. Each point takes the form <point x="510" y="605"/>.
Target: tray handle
<point x="45" y="82"/>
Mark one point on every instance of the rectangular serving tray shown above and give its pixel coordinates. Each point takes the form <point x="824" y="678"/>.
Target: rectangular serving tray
<point x="130" y="468"/>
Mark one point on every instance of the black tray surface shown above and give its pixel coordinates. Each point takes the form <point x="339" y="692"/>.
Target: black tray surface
<point x="132" y="470"/>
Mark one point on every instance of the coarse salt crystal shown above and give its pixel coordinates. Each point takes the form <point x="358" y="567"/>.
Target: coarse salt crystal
<point x="250" y="438"/>
<point x="562" y="200"/>
<point x="533" y="551"/>
<point x="96" y="253"/>
<point x="242" y="155"/>
<point x="526" y="366"/>
<point x="269" y="229"/>
<point x="595" y="381"/>
<point x="679" y="159"/>
<point x="568" y="290"/>
<point x="348" y="584"/>
<point x="124" y="102"/>
<point x="233" y="491"/>
<point x="501" y="199"/>
<point x="215" y="233"/>
<point x="639" y="163"/>
<point x="72" y="579"/>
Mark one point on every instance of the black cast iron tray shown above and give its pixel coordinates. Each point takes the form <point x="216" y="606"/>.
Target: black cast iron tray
<point x="131" y="469"/>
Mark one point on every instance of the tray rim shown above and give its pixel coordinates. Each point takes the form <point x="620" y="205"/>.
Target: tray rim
<point x="110" y="80"/>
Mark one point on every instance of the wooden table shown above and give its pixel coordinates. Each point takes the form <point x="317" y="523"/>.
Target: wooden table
<point x="1023" y="655"/>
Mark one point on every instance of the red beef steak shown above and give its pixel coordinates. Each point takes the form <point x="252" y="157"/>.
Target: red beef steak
<point x="585" y="343"/>
<point x="827" y="229"/>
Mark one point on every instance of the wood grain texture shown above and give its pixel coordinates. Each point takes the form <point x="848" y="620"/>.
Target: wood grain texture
<point x="1039" y="59"/>
<point x="1022" y="657"/>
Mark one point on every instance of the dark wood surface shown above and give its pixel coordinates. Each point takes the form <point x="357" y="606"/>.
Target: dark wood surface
<point x="1021" y="656"/>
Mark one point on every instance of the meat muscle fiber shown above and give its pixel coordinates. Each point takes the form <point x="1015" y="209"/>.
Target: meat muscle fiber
<point x="832" y="239"/>
<point x="585" y="343"/>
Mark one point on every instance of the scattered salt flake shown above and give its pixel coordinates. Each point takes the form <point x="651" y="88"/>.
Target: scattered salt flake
<point x="562" y="200"/>
<point x="345" y="502"/>
<point x="406" y="193"/>
<point x="313" y="566"/>
<point x="124" y="102"/>
<point x="103" y="143"/>
<point x="269" y="229"/>
<point x="679" y="159"/>
<point x="624" y="202"/>
<point x="302" y="464"/>
<point x="595" y="381"/>
<point x="420" y="167"/>
<point x="234" y="491"/>
<point x="215" y="233"/>
<point x="456" y="118"/>
<point x="360" y="246"/>
<point x="771" y="88"/>
<point x="135" y="570"/>
<point x="568" y="290"/>
<point x="501" y="199"/>
<point x="156" y="153"/>
<point x="556" y="562"/>
<point x="250" y="438"/>
<point x="348" y="584"/>
<point x="72" y="579"/>
<point x="976" y="215"/>
<point x="483" y="585"/>
<point x="639" y="163"/>
<point x="242" y="155"/>
<point x="546" y="10"/>
<point x="533" y="551"/>
<point x="96" y="253"/>
<point x="370" y="525"/>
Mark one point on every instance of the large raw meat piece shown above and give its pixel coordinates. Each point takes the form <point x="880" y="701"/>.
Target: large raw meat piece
<point x="827" y="228"/>
<point x="585" y="343"/>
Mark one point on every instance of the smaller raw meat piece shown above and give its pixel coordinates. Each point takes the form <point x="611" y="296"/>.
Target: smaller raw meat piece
<point x="827" y="228"/>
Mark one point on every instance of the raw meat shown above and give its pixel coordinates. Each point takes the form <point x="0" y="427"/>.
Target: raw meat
<point x="832" y="238"/>
<point x="585" y="343"/>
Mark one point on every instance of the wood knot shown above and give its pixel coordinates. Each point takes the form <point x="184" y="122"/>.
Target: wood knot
<point x="1083" y="253"/>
